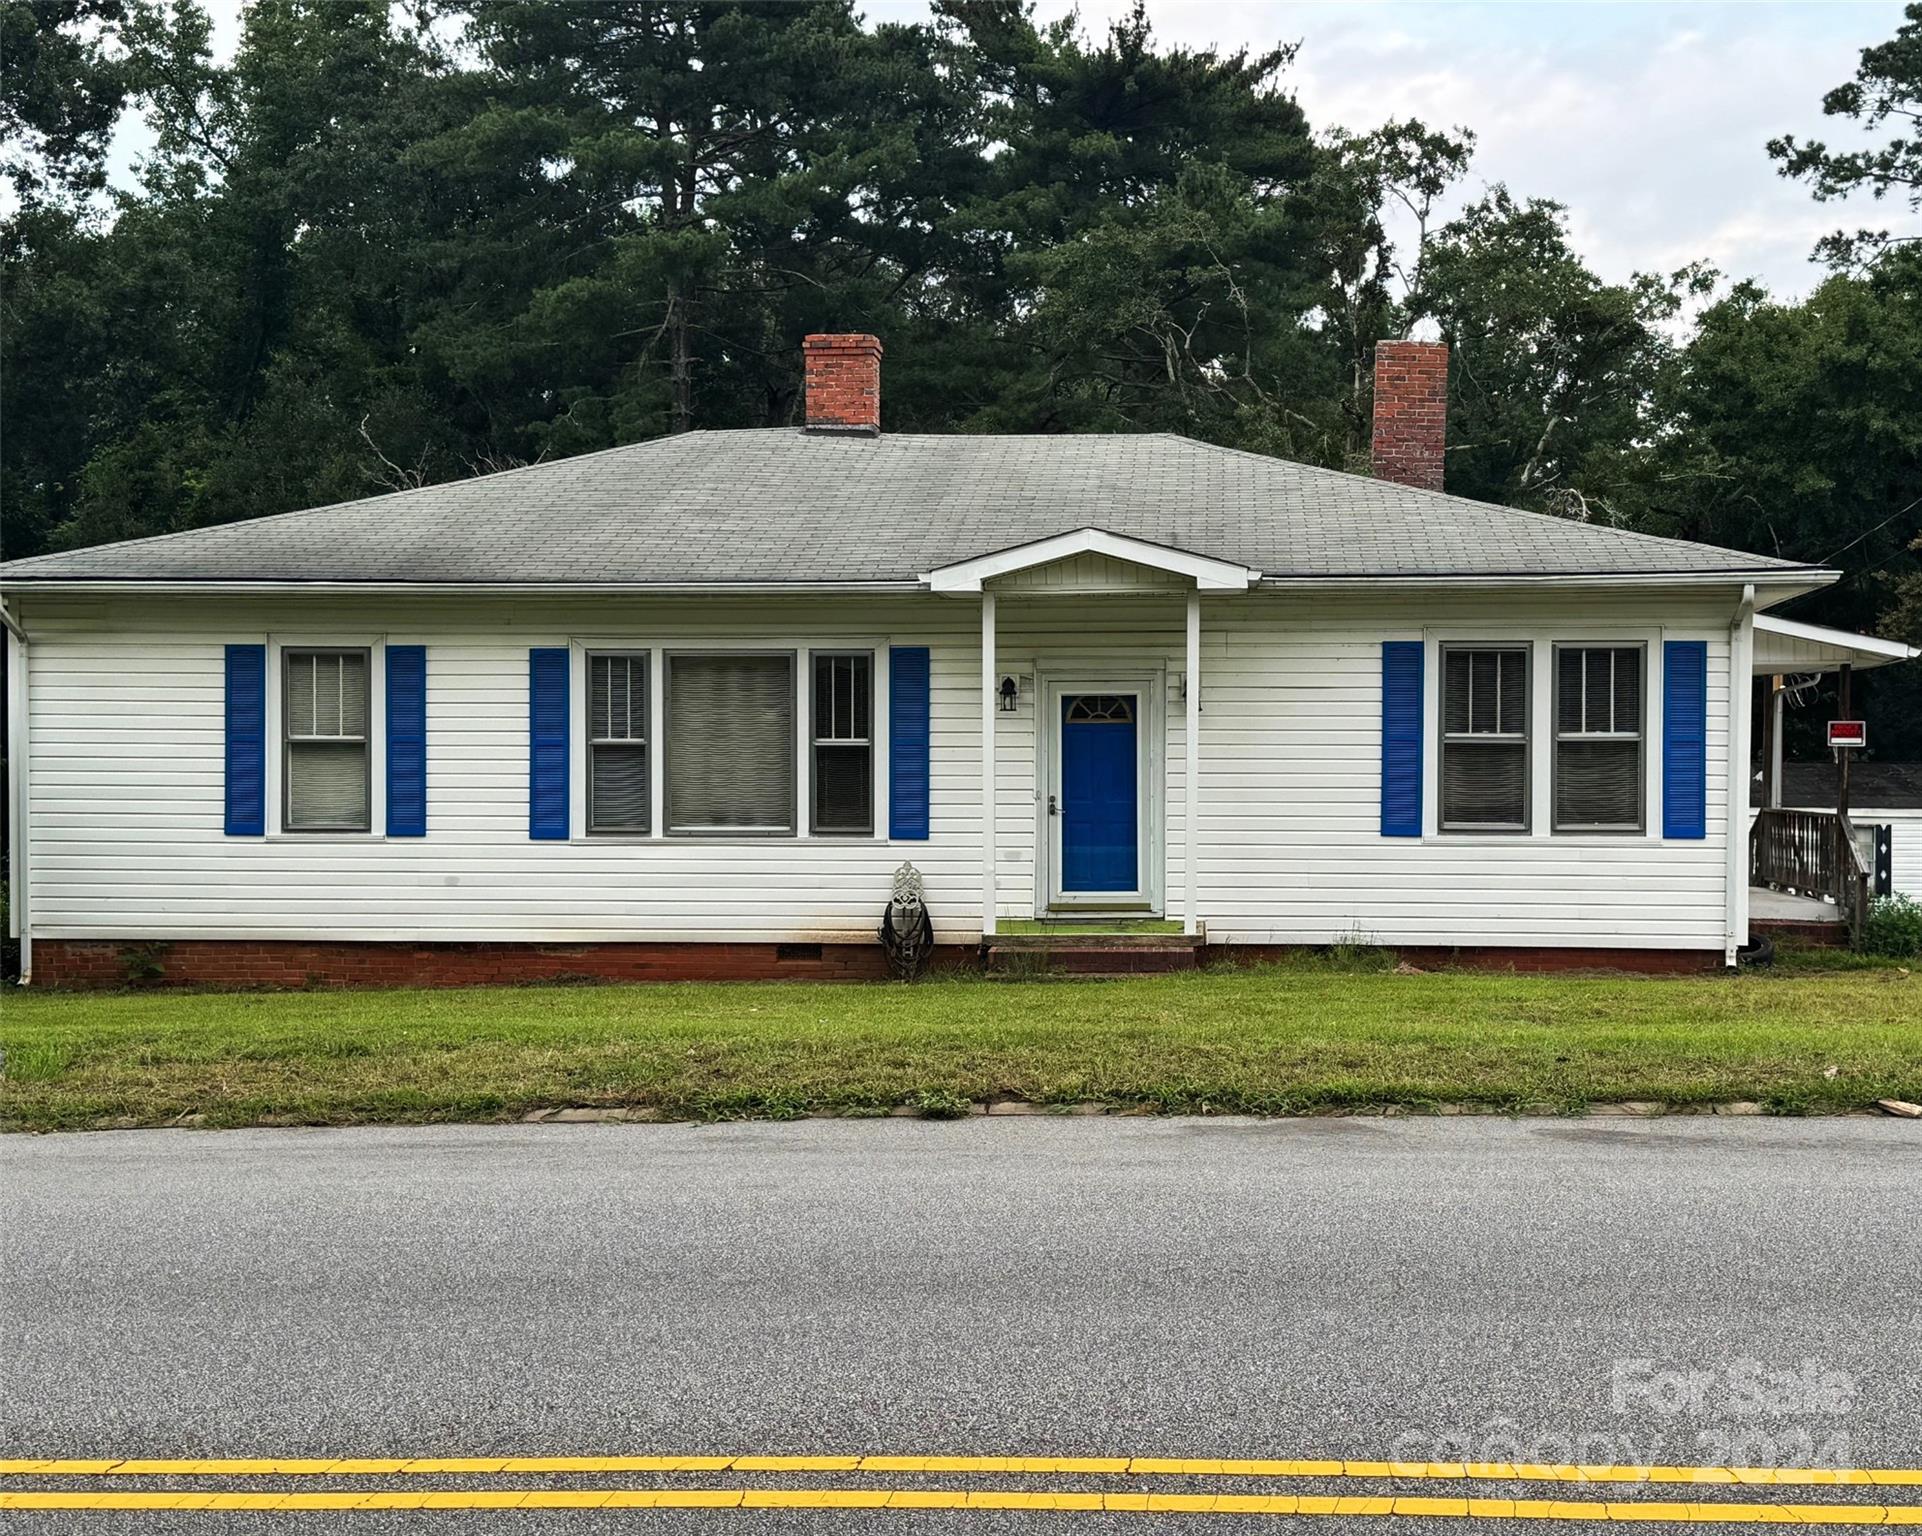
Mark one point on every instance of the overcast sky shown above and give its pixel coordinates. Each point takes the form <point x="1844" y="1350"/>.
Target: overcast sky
<point x="1648" y="120"/>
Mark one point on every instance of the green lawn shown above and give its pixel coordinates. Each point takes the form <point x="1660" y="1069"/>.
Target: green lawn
<point x="1278" y="1039"/>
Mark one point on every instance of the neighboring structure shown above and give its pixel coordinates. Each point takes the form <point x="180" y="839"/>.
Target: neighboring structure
<point x="1827" y="838"/>
<point x="1886" y="806"/>
<point x="684" y="707"/>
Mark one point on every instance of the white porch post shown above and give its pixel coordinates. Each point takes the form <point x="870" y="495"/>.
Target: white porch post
<point x="1776" y="697"/>
<point x="989" y="703"/>
<point x="1191" y="778"/>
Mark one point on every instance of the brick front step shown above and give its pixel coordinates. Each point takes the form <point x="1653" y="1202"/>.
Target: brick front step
<point x="1094" y="954"/>
<point x="1834" y="935"/>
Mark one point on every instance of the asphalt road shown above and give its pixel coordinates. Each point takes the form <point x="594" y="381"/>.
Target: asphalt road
<point x="1480" y="1289"/>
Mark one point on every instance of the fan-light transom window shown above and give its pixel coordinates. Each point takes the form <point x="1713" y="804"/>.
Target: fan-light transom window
<point x="1484" y="744"/>
<point x="843" y="735"/>
<point x="617" y="746"/>
<point x="730" y="744"/>
<point x="1101" y="709"/>
<point x="324" y="726"/>
<point x="1598" y="738"/>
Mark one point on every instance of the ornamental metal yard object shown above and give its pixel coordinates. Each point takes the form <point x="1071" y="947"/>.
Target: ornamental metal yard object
<point x="907" y="932"/>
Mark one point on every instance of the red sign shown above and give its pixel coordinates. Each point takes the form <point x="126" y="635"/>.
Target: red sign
<point x="1848" y="733"/>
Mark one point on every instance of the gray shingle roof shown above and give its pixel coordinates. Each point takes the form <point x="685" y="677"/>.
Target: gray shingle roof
<point x="780" y="506"/>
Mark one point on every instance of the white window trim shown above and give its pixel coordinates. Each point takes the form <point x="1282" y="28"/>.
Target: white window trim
<point x="1640" y="736"/>
<point x="1540" y="636"/>
<point x="1529" y="734"/>
<point x="375" y="645"/>
<point x="657" y="644"/>
<point x="580" y="779"/>
<point x="876" y="730"/>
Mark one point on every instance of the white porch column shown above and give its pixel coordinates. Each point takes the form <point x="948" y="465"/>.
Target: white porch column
<point x="1776" y="697"/>
<point x="1191" y="778"/>
<point x="989" y="703"/>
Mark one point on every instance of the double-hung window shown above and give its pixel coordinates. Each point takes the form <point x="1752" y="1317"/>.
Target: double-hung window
<point x="730" y="743"/>
<point x="843" y="767"/>
<point x="1484" y="743"/>
<point x="324" y="729"/>
<point x="1598" y="738"/>
<point x="617" y="748"/>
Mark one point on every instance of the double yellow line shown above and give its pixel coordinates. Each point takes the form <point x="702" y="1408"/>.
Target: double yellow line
<point x="288" y="1500"/>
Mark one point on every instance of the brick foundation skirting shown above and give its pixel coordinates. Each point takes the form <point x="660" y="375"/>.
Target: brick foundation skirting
<point x="290" y="963"/>
<point x="1495" y="957"/>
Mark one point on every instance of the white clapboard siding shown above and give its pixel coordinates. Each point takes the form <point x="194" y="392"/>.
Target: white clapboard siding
<point x="1905" y="848"/>
<point x="126" y="704"/>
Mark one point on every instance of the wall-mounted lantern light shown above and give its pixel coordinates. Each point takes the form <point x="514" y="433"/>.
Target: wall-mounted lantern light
<point x="1010" y="693"/>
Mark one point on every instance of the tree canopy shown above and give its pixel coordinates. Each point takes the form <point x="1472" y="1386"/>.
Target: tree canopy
<point x="383" y="246"/>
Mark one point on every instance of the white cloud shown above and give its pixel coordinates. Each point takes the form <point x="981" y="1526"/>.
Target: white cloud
<point x="1647" y="121"/>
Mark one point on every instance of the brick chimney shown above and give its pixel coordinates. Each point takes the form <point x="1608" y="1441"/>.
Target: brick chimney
<point x="1411" y="412"/>
<point x="843" y="384"/>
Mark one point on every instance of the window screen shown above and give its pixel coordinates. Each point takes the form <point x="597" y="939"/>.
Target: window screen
<point x="617" y="723"/>
<point x="1484" y="746"/>
<point x="324" y="725"/>
<point x="730" y="744"/>
<point x="843" y="743"/>
<point x="1598" y="738"/>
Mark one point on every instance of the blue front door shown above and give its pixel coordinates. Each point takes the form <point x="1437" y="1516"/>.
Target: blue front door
<point x="1100" y="836"/>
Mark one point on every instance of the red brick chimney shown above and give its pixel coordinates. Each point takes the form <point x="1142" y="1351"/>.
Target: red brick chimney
<point x="1411" y="412"/>
<point x="843" y="384"/>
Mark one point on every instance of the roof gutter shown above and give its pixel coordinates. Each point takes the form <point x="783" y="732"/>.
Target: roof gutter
<point x="1782" y="585"/>
<point x="19" y="921"/>
<point x="95" y="587"/>
<point x="1785" y="583"/>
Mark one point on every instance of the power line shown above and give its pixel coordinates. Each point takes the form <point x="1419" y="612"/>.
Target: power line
<point x="1871" y="532"/>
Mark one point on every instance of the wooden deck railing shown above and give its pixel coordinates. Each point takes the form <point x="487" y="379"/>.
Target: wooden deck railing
<point x="1855" y="878"/>
<point x="1813" y="853"/>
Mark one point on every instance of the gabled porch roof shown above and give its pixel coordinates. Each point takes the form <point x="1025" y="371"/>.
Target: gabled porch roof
<point x="1208" y="574"/>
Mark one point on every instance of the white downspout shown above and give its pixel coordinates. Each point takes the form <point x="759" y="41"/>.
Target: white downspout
<point x="1191" y="773"/>
<point x="1741" y="640"/>
<point x="990" y="702"/>
<point x="19" y="923"/>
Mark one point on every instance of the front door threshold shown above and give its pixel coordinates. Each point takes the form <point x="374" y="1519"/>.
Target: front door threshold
<point x="1102" y="909"/>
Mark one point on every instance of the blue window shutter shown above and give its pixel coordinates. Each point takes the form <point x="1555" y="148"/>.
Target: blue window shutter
<point x="1401" y="743"/>
<point x="1685" y="738"/>
<point x="246" y="740"/>
<point x="908" y="742"/>
<point x="547" y="721"/>
<point x="406" y="741"/>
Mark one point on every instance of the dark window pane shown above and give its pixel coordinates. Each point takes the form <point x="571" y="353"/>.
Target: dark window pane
<point x="842" y="689"/>
<point x="1484" y="691"/>
<point x="1598" y="784"/>
<point x="1513" y="692"/>
<point x="1484" y="784"/>
<point x="617" y="796"/>
<point x="1598" y="690"/>
<point x="1628" y="690"/>
<point x="1455" y="691"/>
<point x="1568" y="689"/>
<point x="843" y="789"/>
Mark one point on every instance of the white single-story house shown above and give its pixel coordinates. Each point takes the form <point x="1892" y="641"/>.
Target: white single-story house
<point x="685" y="707"/>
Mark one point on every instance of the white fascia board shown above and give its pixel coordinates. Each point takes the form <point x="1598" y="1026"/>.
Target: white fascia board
<point x="1207" y="574"/>
<point x="215" y="588"/>
<point x="1781" y="585"/>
